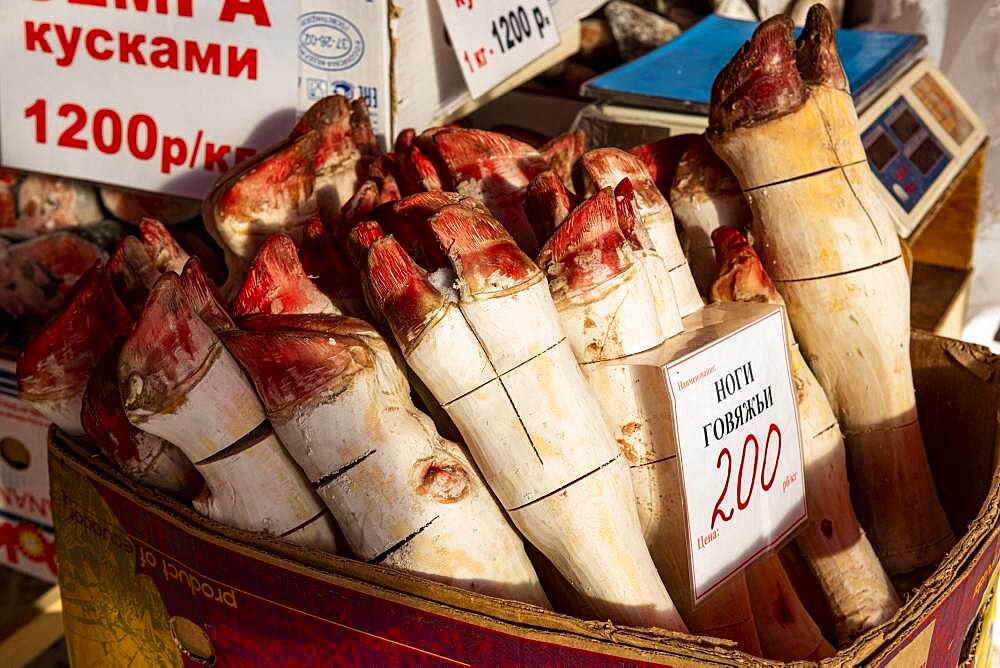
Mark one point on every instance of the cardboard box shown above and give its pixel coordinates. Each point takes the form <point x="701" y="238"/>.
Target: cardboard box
<point x="143" y="576"/>
<point x="983" y="641"/>
<point x="401" y="62"/>
<point x="545" y="114"/>
<point x="939" y="298"/>
<point x="26" y="537"/>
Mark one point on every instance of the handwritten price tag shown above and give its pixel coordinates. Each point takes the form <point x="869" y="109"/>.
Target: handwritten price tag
<point x="739" y="449"/>
<point x="493" y="39"/>
<point x="161" y="96"/>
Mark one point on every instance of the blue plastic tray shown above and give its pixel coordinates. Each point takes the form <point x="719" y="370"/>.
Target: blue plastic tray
<point x="678" y="76"/>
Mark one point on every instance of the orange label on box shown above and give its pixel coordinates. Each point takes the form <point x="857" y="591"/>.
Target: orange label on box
<point x="27" y="542"/>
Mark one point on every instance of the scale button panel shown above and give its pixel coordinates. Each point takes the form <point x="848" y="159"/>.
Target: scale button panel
<point x="903" y="153"/>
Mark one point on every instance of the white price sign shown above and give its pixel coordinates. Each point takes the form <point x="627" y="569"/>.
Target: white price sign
<point x="493" y="39"/>
<point x="160" y="95"/>
<point x="739" y="449"/>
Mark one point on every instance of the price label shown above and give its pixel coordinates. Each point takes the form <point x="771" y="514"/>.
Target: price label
<point x="739" y="449"/>
<point x="494" y="39"/>
<point x="162" y="96"/>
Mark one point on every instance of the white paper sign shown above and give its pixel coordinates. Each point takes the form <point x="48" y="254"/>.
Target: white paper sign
<point x="160" y="95"/>
<point x="739" y="449"/>
<point x="493" y="39"/>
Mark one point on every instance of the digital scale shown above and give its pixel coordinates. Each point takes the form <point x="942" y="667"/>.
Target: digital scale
<point x="919" y="133"/>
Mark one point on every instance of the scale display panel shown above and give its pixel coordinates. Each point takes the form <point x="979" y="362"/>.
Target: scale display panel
<point x="918" y="133"/>
<point x="904" y="155"/>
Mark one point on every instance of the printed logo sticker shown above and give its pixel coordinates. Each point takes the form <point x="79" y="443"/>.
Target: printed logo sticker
<point x="345" y="88"/>
<point x="316" y="88"/>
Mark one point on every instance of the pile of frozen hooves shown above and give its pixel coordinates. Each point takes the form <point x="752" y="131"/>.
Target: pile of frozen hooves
<point x="494" y="279"/>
